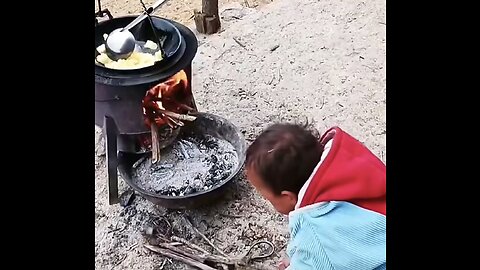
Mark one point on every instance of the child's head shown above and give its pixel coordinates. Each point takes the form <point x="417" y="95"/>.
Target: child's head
<point x="280" y="161"/>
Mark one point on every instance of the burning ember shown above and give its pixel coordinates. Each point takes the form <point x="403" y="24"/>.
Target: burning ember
<point x="168" y="102"/>
<point x="166" y="107"/>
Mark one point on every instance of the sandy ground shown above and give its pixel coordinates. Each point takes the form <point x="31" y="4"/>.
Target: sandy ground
<point x="329" y="66"/>
<point x="178" y="10"/>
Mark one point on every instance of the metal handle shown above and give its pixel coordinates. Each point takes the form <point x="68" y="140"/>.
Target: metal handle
<point x="101" y="13"/>
<point x="144" y="15"/>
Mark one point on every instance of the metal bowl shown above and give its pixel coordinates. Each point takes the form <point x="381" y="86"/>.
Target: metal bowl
<point x="165" y="29"/>
<point x="206" y="123"/>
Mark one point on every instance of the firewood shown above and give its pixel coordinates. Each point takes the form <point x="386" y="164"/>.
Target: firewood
<point x="207" y="21"/>
<point x="179" y="257"/>
<point x="155" y="143"/>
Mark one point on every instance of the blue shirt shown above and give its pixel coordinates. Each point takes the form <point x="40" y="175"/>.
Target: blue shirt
<point x="336" y="236"/>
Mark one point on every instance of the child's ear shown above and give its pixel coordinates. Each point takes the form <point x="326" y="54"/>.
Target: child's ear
<point x="292" y="197"/>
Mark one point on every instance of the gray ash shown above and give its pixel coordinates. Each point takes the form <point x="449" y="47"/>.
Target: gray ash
<point x="189" y="165"/>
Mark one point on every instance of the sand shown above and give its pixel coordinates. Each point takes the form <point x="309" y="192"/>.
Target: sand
<point x="329" y="67"/>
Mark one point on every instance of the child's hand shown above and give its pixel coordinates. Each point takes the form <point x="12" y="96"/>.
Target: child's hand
<point x="283" y="264"/>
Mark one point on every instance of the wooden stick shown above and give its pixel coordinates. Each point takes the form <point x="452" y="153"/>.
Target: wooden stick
<point x="188" y="244"/>
<point x="209" y="242"/>
<point x="182" y="117"/>
<point x="195" y="257"/>
<point x="178" y="123"/>
<point x="200" y="258"/>
<point x="204" y="237"/>
<point x="155" y="142"/>
<point x="186" y="107"/>
<point x="199" y="19"/>
<point x="212" y="24"/>
<point x="210" y="7"/>
<point x="206" y="255"/>
<point x="179" y="257"/>
<point x="238" y="42"/>
<point x="207" y="21"/>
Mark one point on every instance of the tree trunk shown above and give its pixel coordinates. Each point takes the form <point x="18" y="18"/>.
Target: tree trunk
<point x="207" y="21"/>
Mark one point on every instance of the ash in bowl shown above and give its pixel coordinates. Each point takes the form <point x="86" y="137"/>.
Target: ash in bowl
<point x="189" y="165"/>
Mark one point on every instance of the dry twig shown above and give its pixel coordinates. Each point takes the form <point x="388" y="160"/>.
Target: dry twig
<point x="188" y="244"/>
<point x="155" y="142"/>
<point x="323" y="103"/>
<point x="204" y="237"/>
<point x="179" y="257"/>
<point x="239" y="43"/>
<point x="182" y="117"/>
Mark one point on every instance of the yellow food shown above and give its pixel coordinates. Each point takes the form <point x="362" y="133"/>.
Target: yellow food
<point x="135" y="61"/>
<point x="158" y="56"/>
<point x="151" y="45"/>
<point x="101" y="48"/>
<point x="103" y="59"/>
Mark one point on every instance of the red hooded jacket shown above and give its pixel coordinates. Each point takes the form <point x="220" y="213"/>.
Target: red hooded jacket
<point x="349" y="172"/>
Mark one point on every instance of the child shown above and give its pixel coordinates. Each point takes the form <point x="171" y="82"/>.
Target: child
<point x="333" y="191"/>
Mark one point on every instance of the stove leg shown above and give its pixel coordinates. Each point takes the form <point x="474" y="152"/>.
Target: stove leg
<point x="112" y="159"/>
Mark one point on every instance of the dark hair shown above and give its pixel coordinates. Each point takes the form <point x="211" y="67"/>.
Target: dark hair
<point x="284" y="156"/>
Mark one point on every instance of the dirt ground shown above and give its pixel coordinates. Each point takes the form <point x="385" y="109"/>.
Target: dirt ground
<point x="290" y="60"/>
<point x="179" y="10"/>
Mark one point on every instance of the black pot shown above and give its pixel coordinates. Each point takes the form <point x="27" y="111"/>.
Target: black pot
<point x="119" y="93"/>
<point x="173" y="44"/>
<point x="205" y="124"/>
